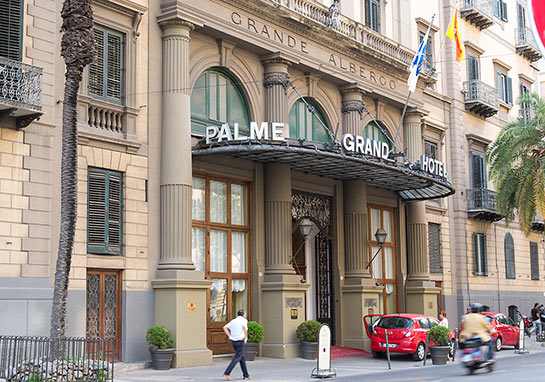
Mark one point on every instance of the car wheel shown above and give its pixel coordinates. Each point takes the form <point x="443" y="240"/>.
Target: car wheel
<point x="498" y="344"/>
<point x="377" y="354"/>
<point x="420" y="352"/>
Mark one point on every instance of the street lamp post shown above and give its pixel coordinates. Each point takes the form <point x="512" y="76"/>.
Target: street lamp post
<point x="305" y="227"/>
<point x="380" y="235"/>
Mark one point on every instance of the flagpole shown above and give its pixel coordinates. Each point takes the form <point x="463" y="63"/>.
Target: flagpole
<point x="409" y="95"/>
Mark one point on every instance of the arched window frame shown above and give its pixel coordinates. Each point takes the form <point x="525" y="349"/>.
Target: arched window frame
<point x="373" y="131"/>
<point x="297" y="131"/>
<point x="200" y="121"/>
<point x="509" y="249"/>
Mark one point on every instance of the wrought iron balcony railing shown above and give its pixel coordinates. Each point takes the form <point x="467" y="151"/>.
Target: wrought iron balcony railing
<point x="526" y="45"/>
<point x="478" y="12"/>
<point x="526" y="113"/>
<point x="538" y="224"/>
<point x="481" y="98"/>
<point x="20" y="84"/>
<point x="481" y="204"/>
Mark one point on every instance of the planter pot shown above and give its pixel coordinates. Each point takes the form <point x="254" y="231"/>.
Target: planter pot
<point x="252" y="348"/>
<point x="161" y="358"/>
<point x="439" y="354"/>
<point x="309" y="350"/>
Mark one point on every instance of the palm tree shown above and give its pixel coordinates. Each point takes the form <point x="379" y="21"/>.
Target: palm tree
<point x="517" y="164"/>
<point x="78" y="50"/>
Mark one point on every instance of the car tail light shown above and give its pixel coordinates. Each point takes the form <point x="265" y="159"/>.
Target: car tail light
<point x="408" y="334"/>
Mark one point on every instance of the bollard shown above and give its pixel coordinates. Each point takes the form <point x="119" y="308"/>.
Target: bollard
<point x="426" y="352"/>
<point x="387" y="349"/>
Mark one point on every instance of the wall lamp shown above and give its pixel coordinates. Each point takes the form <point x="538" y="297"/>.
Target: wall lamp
<point x="380" y="235"/>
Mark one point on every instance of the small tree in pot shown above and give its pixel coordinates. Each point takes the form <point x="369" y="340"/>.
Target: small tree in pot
<point x="255" y="336"/>
<point x="307" y="333"/>
<point x="162" y="347"/>
<point x="439" y="335"/>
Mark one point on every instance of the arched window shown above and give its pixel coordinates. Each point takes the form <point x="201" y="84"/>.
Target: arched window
<point x="303" y="124"/>
<point x="372" y="131"/>
<point x="217" y="99"/>
<point x="509" y="248"/>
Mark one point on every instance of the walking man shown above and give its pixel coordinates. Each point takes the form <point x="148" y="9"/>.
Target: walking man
<point x="237" y="331"/>
<point x="536" y="320"/>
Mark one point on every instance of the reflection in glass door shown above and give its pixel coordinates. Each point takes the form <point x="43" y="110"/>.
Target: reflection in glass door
<point x="221" y="235"/>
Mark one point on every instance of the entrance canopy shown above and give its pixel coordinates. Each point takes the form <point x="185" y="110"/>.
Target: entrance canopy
<point x="332" y="161"/>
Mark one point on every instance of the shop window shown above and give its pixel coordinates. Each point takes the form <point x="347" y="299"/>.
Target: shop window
<point x="500" y="9"/>
<point x="217" y="99"/>
<point x="304" y="124"/>
<point x="430" y="150"/>
<point x="107" y="71"/>
<point x="534" y="261"/>
<point x="11" y="29"/>
<point x="372" y="14"/>
<point x="509" y="248"/>
<point x="472" y="67"/>
<point x="479" y="253"/>
<point x="104" y="211"/>
<point x="504" y="85"/>
<point x="434" y="247"/>
<point x="376" y="132"/>
<point x="428" y="60"/>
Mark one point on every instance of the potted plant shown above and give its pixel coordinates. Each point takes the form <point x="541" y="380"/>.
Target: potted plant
<point x="255" y="336"/>
<point x="162" y="347"/>
<point x="439" y="335"/>
<point x="307" y="333"/>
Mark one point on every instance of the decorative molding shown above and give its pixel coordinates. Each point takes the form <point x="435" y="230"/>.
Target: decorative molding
<point x="474" y="47"/>
<point x="527" y="79"/>
<point x="226" y="51"/>
<point x="423" y="23"/>
<point x="276" y="79"/>
<point x="502" y="64"/>
<point x="24" y="121"/>
<point x="349" y="106"/>
<point x="124" y="6"/>
<point x="316" y="207"/>
<point x="136" y="20"/>
<point x="312" y="80"/>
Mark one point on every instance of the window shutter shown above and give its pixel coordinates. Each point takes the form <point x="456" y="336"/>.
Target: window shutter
<point x="368" y="13"/>
<point x="484" y="262"/>
<point x="376" y="16"/>
<point x="115" y="199"/>
<point x="509" y="257"/>
<point x="496" y="8"/>
<point x="11" y="29"/>
<point x="96" y="211"/>
<point x="434" y="247"/>
<point x="478" y="171"/>
<point x="476" y="255"/>
<point x="509" y="90"/>
<point x="503" y="10"/>
<point x="114" y="67"/>
<point x="534" y="261"/>
<point x="96" y="68"/>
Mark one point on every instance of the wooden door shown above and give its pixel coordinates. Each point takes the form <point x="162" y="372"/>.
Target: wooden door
<point x="104" y="307"/>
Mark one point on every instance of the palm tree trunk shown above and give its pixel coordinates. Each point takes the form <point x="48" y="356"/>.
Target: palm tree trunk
<point x="77" y="48"/>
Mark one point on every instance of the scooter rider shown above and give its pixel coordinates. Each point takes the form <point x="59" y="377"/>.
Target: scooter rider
<point x="476" y="325"/>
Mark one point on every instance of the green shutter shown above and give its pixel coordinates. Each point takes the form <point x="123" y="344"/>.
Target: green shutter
<point x="115" y="198"/>
<point x="534" y="261"/>
<point x="476" y="256"/>
<point x="503" y="10"/>
<point x="484" y="262"/>
<point x="368" y="13"/>
<point x="509" y="90"/>
<point x="11" y="28"/>
<point x="96" y="68"/>
<point x="434" y="247"/>
<point x="509" y="249"/>
<point x="114" y="66"/>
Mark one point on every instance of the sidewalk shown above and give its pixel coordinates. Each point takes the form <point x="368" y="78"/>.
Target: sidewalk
<point x="295" y="369"/>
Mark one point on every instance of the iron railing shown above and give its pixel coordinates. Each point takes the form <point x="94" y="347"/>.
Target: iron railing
<point x="481" y="199"/>
<point x="526" y="113"/>
<point x="524" y="36"/>
<point x="483" y="6"/>
<point x="30" y="359"/>
<point x="20" y="84"/>
<point x="477" y="91"/>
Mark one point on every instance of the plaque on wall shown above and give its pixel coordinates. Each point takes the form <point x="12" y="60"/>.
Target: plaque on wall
<point x="294" y="302"/>
<point x="370" y="302"/>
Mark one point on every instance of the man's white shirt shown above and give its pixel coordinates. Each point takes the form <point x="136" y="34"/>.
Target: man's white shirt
<point x="236" y="327"/>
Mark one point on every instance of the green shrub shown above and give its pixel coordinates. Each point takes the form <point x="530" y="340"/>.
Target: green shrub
<point x="308" y="331"/>
<point x="255" y="332"/>
<point x="439" y="335"/>
<point x="159" y="337"/>
<point x="35" y="377"/>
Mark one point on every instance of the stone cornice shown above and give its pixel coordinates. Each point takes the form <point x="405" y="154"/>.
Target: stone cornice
<point x="174" y="12"/>
<point x="125" y="6"/>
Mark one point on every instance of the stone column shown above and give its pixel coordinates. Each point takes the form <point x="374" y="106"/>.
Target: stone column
<point x="178" y="284"/>
<point x="361" y="295"/>
<point x="282" y="289"/>
<point x="421" y="293"/>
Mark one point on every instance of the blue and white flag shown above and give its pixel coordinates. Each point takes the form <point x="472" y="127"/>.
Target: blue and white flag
<point x="416" y="65"/>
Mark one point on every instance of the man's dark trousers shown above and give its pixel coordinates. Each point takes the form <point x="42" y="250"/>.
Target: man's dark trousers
<point x="240" y="356"/>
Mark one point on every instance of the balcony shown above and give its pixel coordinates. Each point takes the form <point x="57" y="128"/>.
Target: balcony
<point x="526" y="45"/>
<point x="477" y="12"/>
<point x="538" y="224"/>
<point x="20" y="92"/>
<point x="481" y="204"/>
<point x="480" y="98"/>
<point x="526" y="113"/>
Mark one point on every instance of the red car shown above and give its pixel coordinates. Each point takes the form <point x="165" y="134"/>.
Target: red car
<point x="505" y="331"/>
<point x="406" y="333"/>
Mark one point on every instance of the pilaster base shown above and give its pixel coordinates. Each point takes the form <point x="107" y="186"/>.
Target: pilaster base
<point x="361" y="297"/>
<point x="422" y="297"/>
<point x="281" y="350"/>
<point x="181" y="306"/>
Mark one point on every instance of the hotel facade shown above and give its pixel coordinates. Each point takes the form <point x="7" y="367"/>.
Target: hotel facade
<point x="245" y="154"/>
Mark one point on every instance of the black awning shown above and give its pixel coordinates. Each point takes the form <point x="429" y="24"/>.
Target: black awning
<point x="331" y="161"/>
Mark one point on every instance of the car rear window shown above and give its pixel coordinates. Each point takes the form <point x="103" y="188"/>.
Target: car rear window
<point x="395" y="323"/>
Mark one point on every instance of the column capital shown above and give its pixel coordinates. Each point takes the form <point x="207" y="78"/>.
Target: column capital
<point x="353" y="90"/>
<point x="276" y="79"/>
<point x="414" y="114"/>
<point x="174" y="13"/>
<point x="278" y="62"/>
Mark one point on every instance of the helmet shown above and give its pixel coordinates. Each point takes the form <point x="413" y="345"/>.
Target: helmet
<point x="476" y="307"/>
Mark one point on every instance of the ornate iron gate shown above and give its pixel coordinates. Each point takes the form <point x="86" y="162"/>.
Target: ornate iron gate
<point x="318" y="209"/>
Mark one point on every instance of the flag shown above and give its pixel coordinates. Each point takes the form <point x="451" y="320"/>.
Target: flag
<point x="416" y="65"/>
<point x="454" y="34"/>
<point x="537" y="22"/>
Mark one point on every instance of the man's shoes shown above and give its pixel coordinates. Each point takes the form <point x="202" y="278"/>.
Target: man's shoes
<point x="228" y="377"/>
<point x="248" y="377"/>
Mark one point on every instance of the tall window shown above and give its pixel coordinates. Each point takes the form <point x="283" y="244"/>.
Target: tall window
<point x="479" y="253"/>
<point x="430" y="149"/>
<point x="478" y="170"/>
<point x="500" y="9"/>
<point x="11" y="28"/>
<point x="509" y="248"/>
<point x="107" y="71"/>
<point x="104" y="211"/>
<point x="472" y="67"/>
<point x="521" y="15"/>
<point x="217" y="99"/>
<point x="303" y="124"/>
<point x="504" y="84"/>
<point x="434" y="247"/>
<point x="220" y="243"/>
<point x="372" y="14"/>
<point x="428" y="60"/>
<point x="534" y="261"/>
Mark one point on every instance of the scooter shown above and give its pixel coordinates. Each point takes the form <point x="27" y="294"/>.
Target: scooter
<point x="474" y="356"/>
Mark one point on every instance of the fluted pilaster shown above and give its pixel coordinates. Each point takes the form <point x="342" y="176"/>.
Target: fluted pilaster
<point x="276" y="83"/>
<point x="418" y="244"/>
<point x="176" y="37"/>
<point x="412" y="127"/>
<point x="352" y="109"/>
<point x="279" y="244"/>
<point x="355" y="245"/>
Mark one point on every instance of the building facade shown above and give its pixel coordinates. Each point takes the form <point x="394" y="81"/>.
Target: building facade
<point x="244" y="154"/>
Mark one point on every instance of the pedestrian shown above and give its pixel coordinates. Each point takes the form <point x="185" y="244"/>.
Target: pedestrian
<point x="237" y="331"/>
<point x="536" y="320"/>
<point x="443" y="318"/>
<point x="468" y="309"/>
